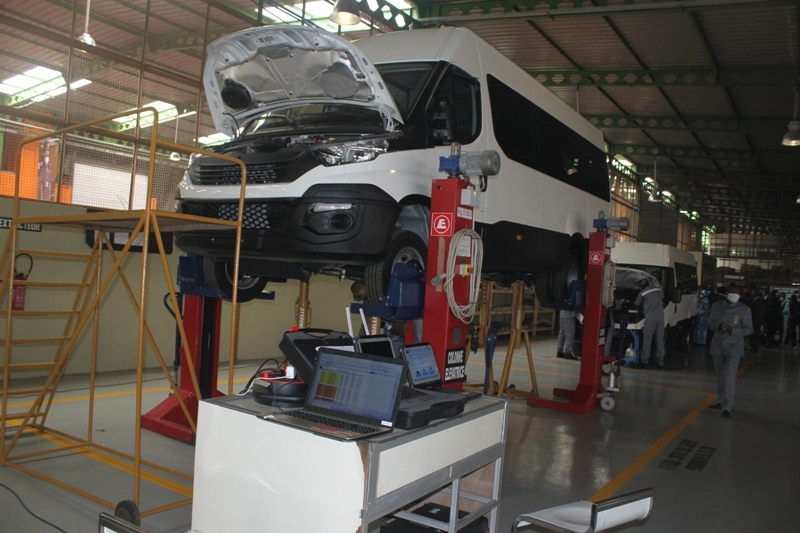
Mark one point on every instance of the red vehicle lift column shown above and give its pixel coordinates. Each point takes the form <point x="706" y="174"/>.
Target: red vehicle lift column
<point x="446" y="332"/>
<point x="452" y="202"/>
<point x="201" y="319"/>
<point x="201" y="309"/>
<point x="586" y="396"/>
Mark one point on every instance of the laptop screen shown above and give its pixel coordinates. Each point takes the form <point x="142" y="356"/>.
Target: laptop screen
<point x="111" y="524"/>
<point x="422" y="367"/>
<point x="357" y="385"/>
<point x="376" y="345"/>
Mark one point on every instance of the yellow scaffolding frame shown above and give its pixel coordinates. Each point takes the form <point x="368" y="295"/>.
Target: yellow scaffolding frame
<point x="86" y="306"/>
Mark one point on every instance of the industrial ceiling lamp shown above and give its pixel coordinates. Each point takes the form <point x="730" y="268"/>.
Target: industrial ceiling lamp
<point x="86" y="38"/>
<point x="346" y="13"/>
<point x="792" y="137"/>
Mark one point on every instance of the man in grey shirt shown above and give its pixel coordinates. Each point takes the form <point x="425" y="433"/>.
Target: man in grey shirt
<point x="731" y="321"/>
<point x="651" y="301"/>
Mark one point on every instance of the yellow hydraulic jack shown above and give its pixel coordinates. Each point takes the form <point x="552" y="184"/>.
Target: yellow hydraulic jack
<point x="302" y="307"/>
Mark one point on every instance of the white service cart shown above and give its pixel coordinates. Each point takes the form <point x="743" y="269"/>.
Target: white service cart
<point x="255" y="475"/>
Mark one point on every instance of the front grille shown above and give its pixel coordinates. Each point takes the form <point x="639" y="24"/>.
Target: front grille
<point x="232" y="174"/>
<point x="209" y="171"/>
<point x="257" y="215"/>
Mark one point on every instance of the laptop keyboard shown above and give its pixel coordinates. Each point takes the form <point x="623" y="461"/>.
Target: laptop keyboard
<point x="409" y="393"/>
<point x="334" y="422"/>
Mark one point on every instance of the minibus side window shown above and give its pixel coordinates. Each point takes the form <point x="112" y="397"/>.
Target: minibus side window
<point x="533" y="137"/>
<point x="456" y="102"/>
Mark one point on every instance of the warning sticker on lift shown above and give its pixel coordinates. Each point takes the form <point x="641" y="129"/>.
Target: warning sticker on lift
<point x="441" y="224"/>
<point x="455" y="368"/>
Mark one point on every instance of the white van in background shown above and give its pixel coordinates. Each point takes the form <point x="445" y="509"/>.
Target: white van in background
<point x="342" y="141"/>
<point x="676" y="271"/>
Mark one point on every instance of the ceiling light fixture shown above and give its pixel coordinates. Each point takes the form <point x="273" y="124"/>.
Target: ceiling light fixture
<point x="175" y="156"/>
<point x="792" y="137"/>
<point x="346" y="13"/>
<point x="798" y="200"/>
<point x="86" y="38"/>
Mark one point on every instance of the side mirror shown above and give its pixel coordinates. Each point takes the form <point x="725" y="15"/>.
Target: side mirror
<point x="676" y="295"/>
<point x="443" y="122"/>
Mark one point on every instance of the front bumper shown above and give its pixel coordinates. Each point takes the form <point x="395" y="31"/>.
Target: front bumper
<point x="289" y="230"/>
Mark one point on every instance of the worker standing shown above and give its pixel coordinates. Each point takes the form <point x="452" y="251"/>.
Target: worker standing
<point x="732" y="321"/>
<point x="566" y="334"/>
<point x="651" y="302"/>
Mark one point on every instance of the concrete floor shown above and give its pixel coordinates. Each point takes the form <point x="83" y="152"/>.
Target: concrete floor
<point x="710" y="474"/>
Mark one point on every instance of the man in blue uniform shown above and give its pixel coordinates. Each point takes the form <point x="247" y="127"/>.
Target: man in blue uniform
<point x="732" y="321"/>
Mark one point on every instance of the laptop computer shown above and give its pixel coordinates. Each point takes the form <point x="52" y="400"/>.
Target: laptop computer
<point x="423" y="370"/>
<point x="380" y="345"/>
<point x="351" y="396"/>
<point x="111" y="524"/>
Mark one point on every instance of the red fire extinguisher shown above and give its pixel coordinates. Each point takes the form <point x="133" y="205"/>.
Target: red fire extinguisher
<point x="18" y="303"/>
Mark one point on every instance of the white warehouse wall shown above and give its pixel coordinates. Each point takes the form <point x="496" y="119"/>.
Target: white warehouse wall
<point x="262" y="323"/>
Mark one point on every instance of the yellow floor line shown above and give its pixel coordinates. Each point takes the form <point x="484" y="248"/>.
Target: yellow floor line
<point x="611" y="488"/>
<point x="107" y="395"/>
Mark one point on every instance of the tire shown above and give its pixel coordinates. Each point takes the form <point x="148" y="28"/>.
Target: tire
<point x="685" y="337"/>
<point x="542" y="284"/>
<point x="127" y="510"/>
<point x="219" y="275"/>
<point x="560" y="280"/>
<point x="406" y="246"/>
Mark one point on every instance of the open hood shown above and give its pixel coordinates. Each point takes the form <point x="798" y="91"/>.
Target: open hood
<point x="272" y="67"/>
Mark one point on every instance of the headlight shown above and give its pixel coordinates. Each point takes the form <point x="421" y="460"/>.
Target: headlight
<point x="352" y="152"/>
<point x="193" y="157"/>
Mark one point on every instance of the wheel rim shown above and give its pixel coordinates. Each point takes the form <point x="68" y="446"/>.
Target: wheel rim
<point x="408" y="254"/>
<point x="245" y="282"/>
<point x="572" y="273"/>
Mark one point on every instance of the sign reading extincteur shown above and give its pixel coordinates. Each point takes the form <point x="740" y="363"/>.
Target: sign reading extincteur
<point x="5" y="223"/>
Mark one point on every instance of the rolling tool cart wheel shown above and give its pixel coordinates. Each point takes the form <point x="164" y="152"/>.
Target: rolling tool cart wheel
<point x="608" y="403"/>
<point x="128" y="511"/>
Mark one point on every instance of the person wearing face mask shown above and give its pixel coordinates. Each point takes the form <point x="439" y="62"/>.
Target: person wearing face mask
<point x="732" y="321"/>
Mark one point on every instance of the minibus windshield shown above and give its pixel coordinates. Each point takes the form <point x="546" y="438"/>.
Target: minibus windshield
<point x="317" y="118"/>
<point x="406" y="82"/>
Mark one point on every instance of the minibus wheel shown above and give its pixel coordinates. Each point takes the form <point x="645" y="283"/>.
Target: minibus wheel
<point x="406" y="246"/>
<point x="219" y="275"/>
<point x="560" y="279"/>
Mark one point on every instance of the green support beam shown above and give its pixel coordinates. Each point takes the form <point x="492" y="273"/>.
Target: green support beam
<point x="387" y="14"/>
<point x="698" y="174"/>
<point x="492" y="10"/>
<point x="693" y="152"/>
<point x="761" y="77"/>
<point x="677" y="123"/>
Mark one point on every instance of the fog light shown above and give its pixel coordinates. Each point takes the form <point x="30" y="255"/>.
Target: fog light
<point x="321" y="208"/>
<point x="341" y="221"/>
